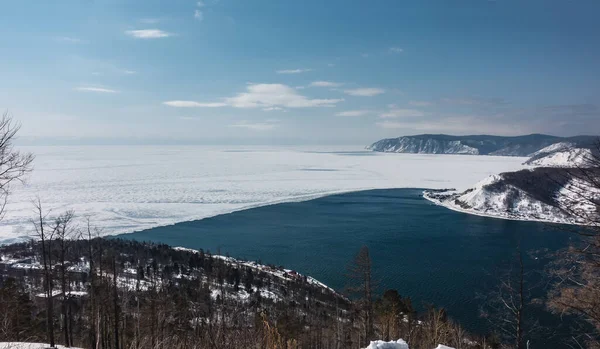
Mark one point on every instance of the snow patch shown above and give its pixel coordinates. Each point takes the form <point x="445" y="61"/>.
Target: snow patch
<point x="24" y="345"/>
<point x="399" y="344"/>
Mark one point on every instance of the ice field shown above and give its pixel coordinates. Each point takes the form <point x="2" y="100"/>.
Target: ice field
<point x="131" y="188"/>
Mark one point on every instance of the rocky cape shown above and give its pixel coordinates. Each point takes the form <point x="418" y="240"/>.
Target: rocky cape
<point x="526" y="145"/>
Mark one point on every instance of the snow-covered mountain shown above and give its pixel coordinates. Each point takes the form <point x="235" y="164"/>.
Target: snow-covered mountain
<point x="563" y="154"/>
<point x="422" y="145"/>
<point x="477" y="144"/>
<point x="547" y="194"/>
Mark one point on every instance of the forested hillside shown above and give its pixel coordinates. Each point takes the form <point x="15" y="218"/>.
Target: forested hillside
<point x="110" y="293"/>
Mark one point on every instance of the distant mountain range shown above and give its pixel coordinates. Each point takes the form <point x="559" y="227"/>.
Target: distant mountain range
<point x="526" y="145"/>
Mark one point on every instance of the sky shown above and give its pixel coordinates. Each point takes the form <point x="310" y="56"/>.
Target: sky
<point x="297" y="72"/>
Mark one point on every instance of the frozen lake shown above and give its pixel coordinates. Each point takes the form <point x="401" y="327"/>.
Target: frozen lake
<point x="131" y="188"/>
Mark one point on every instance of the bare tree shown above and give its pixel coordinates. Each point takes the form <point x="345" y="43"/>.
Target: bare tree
<point x="46" y="236"/>
<point x="360" y="275"/>
<point x="576" y="271"/>
<point x="14" y="165"/>
<point x="507" y="307"/>
<point x="63" y="229"/>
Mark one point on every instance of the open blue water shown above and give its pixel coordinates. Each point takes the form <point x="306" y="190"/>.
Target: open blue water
<point x="428" y="252"/>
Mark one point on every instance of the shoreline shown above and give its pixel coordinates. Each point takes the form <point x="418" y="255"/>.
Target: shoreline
<point x="490" y="215"/>
<point x="291" y="199"/>
<point x="286" y="274"/>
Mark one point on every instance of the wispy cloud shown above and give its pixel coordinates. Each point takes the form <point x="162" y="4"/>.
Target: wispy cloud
<point x="192" y="104"/>
<point x="293" y="71"/>
<point x="325" y="84"/>
<point x="69" y="40"/>
<point x="262" y="96"/>
<point x="396" y="50"/>
<point x="148" y="33"/>
<point x="129" y="72"/>
<point x="420" y="103"/>
<point x="365" y="92"/>
<point x="149" y="20"/>
<point x="455" y="124"/>
<point x="478" y="101"/>
<point x="95" y="89"/>
<point x="273" y="109"/>
<point x="256" y="126"/>
<point x="353" y="113"/>
<point x="198" y="15"/>
<point x="402" y="113"/>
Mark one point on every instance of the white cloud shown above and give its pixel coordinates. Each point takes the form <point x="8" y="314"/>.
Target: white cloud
<point x="456" y="124"/>
<point x="293" y="71"/>
<point x="200" y="4"/>
<point x="325" y="84"/>
<point x="331" y="64"/>
<point x="96" y="89"/>
<point x="420" y="103"/>
<point x="402" y="113"/>
<point x="396" y="50"/>
<point x="353" y="113"/>
<point x="365" y="92"/>
<point x="268" y="95"/>
<point x="69" y="40"/>
<point x="129" y="72"/>
<point x="256" y="126"/>
<point x="198" y="15"/>
<point x="149" y="20"/>
<point x="364" y="55"/>
<point x="392" y="124"/>
<point x="273" y="109"/>
<point x="263" y="96"/>
<point x="148" y="34"/>
<point x="192" y="104"/>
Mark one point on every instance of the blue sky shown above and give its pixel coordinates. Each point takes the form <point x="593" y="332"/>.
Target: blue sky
<point x="311" y="71"/>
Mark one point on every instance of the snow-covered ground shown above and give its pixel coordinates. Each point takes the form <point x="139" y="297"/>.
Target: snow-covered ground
<point x="515" y="204"/>
<point x="24" y="345"/>
<point x="399" y="344"/>
<point x="482" y="202"/>
<point x="130" y="188"/>
<point x="561" y="155"/>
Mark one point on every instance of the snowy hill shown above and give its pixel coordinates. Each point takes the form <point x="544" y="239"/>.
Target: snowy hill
<point x="476" y="144"/>
<point x="424" y="145"/>
<point x="563" y="154"/>
<point x="542" y="194"/>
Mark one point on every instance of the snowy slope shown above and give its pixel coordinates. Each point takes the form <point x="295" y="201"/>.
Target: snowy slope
<point x="565" y="158"/>
<point x="422" y="146"/>
<point x="539" y="194"/>
<point x="563" y="154"/>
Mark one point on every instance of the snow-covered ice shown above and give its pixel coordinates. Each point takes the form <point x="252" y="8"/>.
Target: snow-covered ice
<point x="131" y="188"/>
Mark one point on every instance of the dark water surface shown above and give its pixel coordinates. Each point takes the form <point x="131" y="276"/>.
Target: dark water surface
<point x="428" y="252"/>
